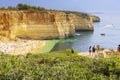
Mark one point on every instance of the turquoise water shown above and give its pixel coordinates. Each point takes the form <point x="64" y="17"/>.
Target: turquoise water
<point x="110" y="25"/>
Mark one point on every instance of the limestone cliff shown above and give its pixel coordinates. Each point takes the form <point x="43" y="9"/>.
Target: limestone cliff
<point x="42" y="25"/>
<point x="95" y="18"/>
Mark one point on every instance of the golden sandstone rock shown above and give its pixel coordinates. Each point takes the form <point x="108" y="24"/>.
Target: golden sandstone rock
<point x="42" y="24"/>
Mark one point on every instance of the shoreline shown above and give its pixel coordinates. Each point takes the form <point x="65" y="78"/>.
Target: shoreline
<point x="47" y="46"/>
<point x="23" y="47"/>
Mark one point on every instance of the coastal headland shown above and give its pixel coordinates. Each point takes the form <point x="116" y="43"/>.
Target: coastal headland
<point x="34" y="26"/>
<point x="43" y="24"/>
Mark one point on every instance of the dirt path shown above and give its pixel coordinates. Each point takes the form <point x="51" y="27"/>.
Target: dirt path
<point x="103" y="52"/>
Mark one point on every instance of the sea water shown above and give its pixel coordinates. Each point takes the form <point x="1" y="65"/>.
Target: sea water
<point x="109" y="25"/>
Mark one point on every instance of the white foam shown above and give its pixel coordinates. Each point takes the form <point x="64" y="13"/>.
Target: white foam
<point x="77" y="34"/>
<point x="108" y="26"/>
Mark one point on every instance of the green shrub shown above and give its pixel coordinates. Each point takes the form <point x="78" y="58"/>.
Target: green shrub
<point x="58" y="66"/>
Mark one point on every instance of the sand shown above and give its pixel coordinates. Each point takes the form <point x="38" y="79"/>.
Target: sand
<point x="21" y="47"/>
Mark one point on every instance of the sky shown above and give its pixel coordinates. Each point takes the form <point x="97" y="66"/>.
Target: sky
<point x="73" y="5"/>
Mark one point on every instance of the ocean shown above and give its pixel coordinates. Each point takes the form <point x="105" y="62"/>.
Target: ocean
<point x="109" y="25"/>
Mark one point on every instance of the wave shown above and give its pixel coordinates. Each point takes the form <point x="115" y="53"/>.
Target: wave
<point x="108" y="26"/>
<point x="111" y="26"/>
<point x="77" y="34"/>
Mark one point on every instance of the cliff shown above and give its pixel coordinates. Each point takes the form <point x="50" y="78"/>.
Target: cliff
<point x="42" y="25"/>
<point x="95" y="18"/>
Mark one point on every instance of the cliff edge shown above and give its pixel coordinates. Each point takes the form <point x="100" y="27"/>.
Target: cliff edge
<point x="42" y="24"/>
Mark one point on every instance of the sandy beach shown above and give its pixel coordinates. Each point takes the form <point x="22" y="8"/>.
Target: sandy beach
<point x="21" y="47"/>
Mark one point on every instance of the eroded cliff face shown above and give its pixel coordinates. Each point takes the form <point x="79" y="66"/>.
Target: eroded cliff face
<point x="95" y="18"/>
<point x="42" y="25"/>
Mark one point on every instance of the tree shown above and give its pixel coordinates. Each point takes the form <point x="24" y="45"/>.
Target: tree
<point x="19" y="6"/>
<point x="23" y="6"/>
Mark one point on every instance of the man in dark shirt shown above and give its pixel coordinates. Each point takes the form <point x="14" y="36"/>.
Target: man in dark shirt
<point x="118" y="49"/>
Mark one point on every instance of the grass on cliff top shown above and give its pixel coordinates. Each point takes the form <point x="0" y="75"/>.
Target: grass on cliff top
<point x="62" y="65"/>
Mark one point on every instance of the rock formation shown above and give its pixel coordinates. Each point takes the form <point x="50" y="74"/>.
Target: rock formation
<point x="95" y="18"/>
<point x="42" y="25"/>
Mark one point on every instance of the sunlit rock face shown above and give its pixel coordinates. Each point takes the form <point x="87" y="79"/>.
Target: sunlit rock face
<point x="42" y="25"/>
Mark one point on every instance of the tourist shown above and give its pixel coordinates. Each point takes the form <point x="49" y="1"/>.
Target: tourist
<point x="118" y="49"/>
<point x="72" y="50"/>
<point x="90" y="50"/>
<point x="98" y="48"/>
<point x="93" y="50"/>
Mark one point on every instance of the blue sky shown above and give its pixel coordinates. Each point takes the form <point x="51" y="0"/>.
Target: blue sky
<point x="76" y="5"/>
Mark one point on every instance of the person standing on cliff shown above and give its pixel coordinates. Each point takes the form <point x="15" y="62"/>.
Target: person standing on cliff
<point x="72" y="50"/>
<point x="118" y="50"/>
<point x="90" y="50"/>
<point x="93" y="50"/>
<point x="98" y="49"/>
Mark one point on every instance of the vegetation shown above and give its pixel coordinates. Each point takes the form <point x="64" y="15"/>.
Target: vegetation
<point x="77" y="13"/>
<point x="24" y="7"/>
<point x="35" y="8"/>
<point x="62" y="65"/>
<point x="28" y="7"/>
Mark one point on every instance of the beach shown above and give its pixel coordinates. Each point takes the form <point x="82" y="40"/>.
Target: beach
<point x="23" y="47"/>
